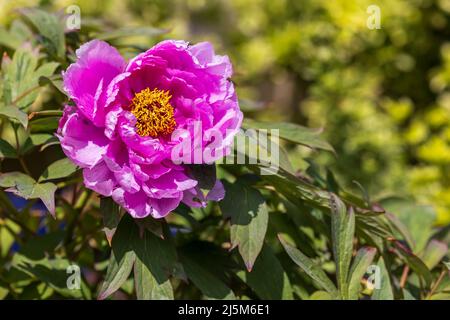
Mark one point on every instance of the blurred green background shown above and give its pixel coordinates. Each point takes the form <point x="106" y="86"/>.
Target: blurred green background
<point x="382" y="96"/>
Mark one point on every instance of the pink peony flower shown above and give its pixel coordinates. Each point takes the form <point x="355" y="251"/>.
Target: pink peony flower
<point x="133" y="122"/>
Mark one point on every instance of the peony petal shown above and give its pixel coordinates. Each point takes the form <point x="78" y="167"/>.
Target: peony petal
<point x="217" y="193"/>
<point x="136" y="204"/>
<point x="100" y="179"/>
<point x="162" y="207"/>
<point x="86" y="80"/>
<point x="82" y="142"/>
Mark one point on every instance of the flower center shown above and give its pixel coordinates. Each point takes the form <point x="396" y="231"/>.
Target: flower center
<point x="153" y="112"/>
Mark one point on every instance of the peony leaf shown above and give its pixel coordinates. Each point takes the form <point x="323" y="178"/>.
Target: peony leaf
<point x="45" y="192"/>
<point x="155" y="262"/>
<point x="413" y="261"/>
<point x="50" y="30"/>
<point x="434" y="252"/>
<point x="310" y="268"/>
<point x="47" y="124"/>
<point x="362" y="261"/>
<point x="12" y="112"/>
<point x="342" y="232"/>
<point x="384" y="292"/>
<point x="7" y="150"/>
<point x="59" y="169"/>
<point x="21" y="78"/>
<point x="418" y="219"/>
<point x="52" y="272"/>
<point x="35" y="140"/>
<point x="26" y="187"/>
<point x="148" y="286"/>
<point x="210" y="285"/>
<point x="55" y="82"/>
<point x="268" y="279"/>
<point x="122" y="257"/>
<point x="111" y="216"/>
<point x="320" y="295"/>
<point x="248" y="213"/>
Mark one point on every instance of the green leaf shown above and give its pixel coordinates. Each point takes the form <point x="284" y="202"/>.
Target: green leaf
<point x="17" y="182"/>
<point x="111" y="216"/>
<point x="384" y="292"/>
<point x="292" y="132"/>
<point x="43" y="245"/>
<point x="128" y="32"/>
<point x="246" y="208"/>
<point x="418" y="219"/>
<point x="362" y="261"/>
<point x="52" y="272"/>
<point x="35" y="140"/>
<point x="268" y="279"/>
<point x="7" y="150"/>
<point x="26" y="187"/>
<point x="155" y="260"/>
<point x="10" y="39"/>
<point x="310" y="268"/>
<point x="153" y="225"/>
<point x="447" y="264"/>
<point x="12" y="179"/>
<point x="147" y="286"/>
<point x="414" y="262"/>
<point x="18" y="34"/>
<point x="47" y="124"/>
<point x="17" y="76"/>
<point x="45" y="192"/>
<point x="21" y="78"/>
<point x="321" y="295"/>
<point x="434" y="253"/>
<point x="59" y="169"/>
<point x="210" y="285"/>
<point x="50" y="30"/>
<point x="122" y="257"/>
<point x="55" y="82"/>
<point x="342" y="232"/>
<point x="11" y="112"/>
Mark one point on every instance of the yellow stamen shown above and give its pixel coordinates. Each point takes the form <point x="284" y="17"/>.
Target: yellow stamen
<point x="153" y="112"/>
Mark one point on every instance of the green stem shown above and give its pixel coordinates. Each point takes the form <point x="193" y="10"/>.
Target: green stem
<point x="45" y="113"/>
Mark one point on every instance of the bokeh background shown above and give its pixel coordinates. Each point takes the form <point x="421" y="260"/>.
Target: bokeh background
<point x="381" y="96"/>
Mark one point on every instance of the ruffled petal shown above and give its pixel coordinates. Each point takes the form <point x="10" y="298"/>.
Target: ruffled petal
<point x="82" y="142"/>
<point x="86" y="81"/>
<point x="100" y="179"/>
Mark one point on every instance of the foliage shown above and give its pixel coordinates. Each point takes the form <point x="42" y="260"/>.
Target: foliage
<point x="305" y="232"/>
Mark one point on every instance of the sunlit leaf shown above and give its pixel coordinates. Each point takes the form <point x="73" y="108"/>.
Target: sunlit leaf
<point x="310" y="268"/>
<point x="59" y="169"/>
<point x="362" y="261"/>
<point x="342" y="232"/>
<point x="248" y="213"/>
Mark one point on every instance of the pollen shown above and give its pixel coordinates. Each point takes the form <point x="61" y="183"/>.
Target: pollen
<point x="153" y="112"/>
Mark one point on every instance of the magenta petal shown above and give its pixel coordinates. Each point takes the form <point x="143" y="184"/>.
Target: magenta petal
<point x="82" y="142"/>
<point x="217" y="193"/>
<point x="135" y="203"/>
<point x="219" y="65"/>
<point x="86" y="80"/>
<point x="100" y="179"/>
<point x="162" y="207"/>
